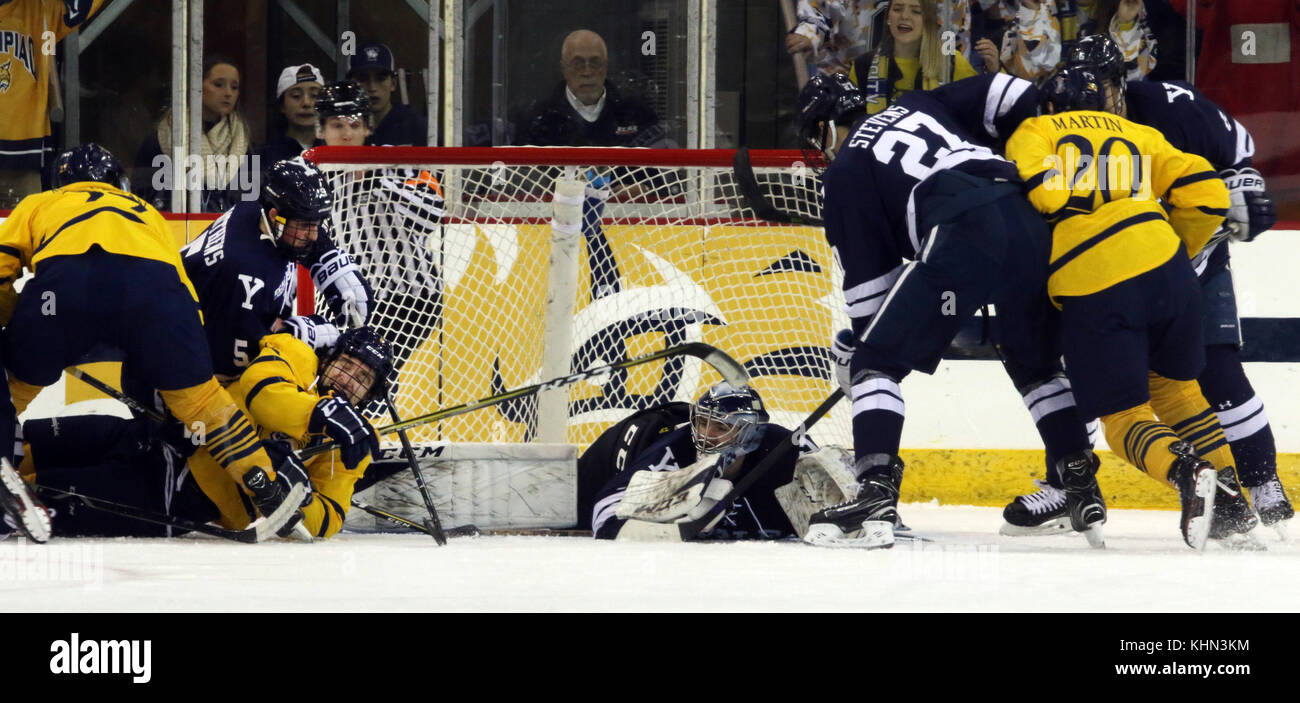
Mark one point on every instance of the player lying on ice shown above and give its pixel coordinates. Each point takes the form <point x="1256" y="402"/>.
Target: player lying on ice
<point x="681" y="470"/>
<point x="295" y="397"/>
<point x="106" y="273"/>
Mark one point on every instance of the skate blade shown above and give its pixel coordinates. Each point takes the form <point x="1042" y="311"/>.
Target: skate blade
<point x="873" y="535"/>
<point x="1055" y="526"/>
<point x="1095" y="539"/>
<point x="1198" y="528"/>
<point x="31" y="520"/>
<point x="1280" y="529"/>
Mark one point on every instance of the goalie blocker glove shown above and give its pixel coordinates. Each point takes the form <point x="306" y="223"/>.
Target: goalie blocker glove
<point x="342" y="423"/>
<point x="1251" y="212"/>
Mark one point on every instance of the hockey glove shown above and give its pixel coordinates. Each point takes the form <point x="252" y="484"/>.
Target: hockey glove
<point x="340" y="281"/>
<point x="1251" y="211"/>
<point x="314" y="330"/>
<point x="288" y="465"/>
<point x="342" y="423"/>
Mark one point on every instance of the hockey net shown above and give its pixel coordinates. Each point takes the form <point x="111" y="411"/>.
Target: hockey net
<point x="498" y="268"/>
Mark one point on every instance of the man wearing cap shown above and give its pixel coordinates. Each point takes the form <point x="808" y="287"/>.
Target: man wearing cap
<point x="373" y="69"/>
<point x="295" y="95"/>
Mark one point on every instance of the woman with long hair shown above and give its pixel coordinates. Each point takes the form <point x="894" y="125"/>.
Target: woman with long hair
<point x="910" y="57"/>
<point x="224" y="148"/>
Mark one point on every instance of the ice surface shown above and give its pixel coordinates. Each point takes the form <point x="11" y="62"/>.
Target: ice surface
<point x="968" y="567"/>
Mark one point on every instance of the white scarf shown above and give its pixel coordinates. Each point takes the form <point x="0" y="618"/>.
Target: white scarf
<point x="228" y="137"/>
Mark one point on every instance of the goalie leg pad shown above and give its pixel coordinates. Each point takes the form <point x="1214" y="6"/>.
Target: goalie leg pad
<point x="821" y="479"/>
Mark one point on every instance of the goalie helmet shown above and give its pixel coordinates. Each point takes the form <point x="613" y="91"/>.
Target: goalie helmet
<point x="727" y="416"/>
<point x="825" y="101"/>
<point x="1072" y="89"/>
<point x="298" y="191"/>
<point x="366" y="348"/>
<point x="89" y="162"/>
<point x="342" y="99"/>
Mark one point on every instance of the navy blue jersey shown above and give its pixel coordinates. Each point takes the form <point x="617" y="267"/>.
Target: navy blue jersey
<point x="1192" y="122"/>
<point x="872" y="189"/>
<point x="755" y="515"/>
<point x="244" y="284"/>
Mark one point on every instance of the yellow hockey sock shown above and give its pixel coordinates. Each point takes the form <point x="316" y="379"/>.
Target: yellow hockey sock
<point x="226" y="432"/>
<point x="22" y="393"/>
<point x="1181" y="405"/>
<point x="1142" y="440"/>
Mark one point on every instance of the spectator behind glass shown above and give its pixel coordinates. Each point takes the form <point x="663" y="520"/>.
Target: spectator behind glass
<point x="224" y="149"/>
<point x="295" y="98"/>
<point x="585" y="109"/>
<point x="909" y="58"/>
<point x="835" y="32"/>
<point x="1031" y="46"/>
<point x="373" y="68"/>
<point x="1127" y="23"/>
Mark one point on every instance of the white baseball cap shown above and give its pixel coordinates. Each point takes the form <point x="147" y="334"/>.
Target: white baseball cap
<point x="293" y="75"/>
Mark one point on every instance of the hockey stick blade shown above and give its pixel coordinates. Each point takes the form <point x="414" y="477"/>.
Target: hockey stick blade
<point x="732" y="372"/>
<point x="752" y="194"/>
<point x="691" y="529"/>
<point x="249" y="535"/>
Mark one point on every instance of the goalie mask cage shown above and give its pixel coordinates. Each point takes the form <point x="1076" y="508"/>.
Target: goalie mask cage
<point x="495" y="268"/>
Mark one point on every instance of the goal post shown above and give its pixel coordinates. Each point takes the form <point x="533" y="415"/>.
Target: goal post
<point x="496" y="268"/>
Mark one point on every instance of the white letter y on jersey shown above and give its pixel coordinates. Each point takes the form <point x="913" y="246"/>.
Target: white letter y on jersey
<point x="251" y="286"/>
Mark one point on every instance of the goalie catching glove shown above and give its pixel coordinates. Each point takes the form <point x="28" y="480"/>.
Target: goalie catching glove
<point x="1251" y="212"/>
<point x="337" y="278"/>
<point x="342" y="423"/>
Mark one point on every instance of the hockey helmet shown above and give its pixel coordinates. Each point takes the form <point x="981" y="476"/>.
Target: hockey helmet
<point x="342" y="99"/>
<point x="828" y="100"/>
<point x="1074" y="88"/>
<point x="89" y="162"/>
<point x="1101" y="55"/>
<point x="364" y="345"/>
<point x="297" y="190"/>
<point x="727" y="416"/>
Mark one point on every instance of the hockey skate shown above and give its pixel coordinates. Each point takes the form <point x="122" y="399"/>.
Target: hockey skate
<point x="867" y="521"/>
<point x="1234" y="517"/>
<point x="1272" y="505"/>
<point x="1196" y="481"/>
<point x="1034" y="514"/>
<point x="1083" y="500"/>
<point x="21" y="507"/>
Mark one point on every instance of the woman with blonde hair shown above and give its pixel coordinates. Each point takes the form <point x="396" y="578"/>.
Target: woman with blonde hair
<point x="910" y="57"/>
<point x="224" y="149"/>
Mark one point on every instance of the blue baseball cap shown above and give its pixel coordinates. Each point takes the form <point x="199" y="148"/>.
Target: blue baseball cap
<point x="370" y="56"/>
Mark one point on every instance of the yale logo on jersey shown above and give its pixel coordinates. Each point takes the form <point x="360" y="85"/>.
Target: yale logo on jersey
<point x="22" y="48"/>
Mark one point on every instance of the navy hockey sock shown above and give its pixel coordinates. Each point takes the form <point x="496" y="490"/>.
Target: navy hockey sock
<point x="1241" y="412"/>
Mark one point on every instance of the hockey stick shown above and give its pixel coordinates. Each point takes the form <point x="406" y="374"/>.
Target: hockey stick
<point x="432" y="524"/>
<point x="690" y="529"/>
<point x="731" y="370"/>
<point x="257" y="531"/>
<point x="753" y="196"/>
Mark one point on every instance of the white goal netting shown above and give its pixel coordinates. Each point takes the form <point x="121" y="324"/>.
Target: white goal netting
<point x="498" y="268"/>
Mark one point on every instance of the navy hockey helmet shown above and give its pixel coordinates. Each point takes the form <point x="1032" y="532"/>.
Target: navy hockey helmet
<point x="1072" y="89"/>
<point x="89" y="162"/>
<point x="342" y="99"/>
<point x="727" y="416"/>
<point x="825" y="101"/>
<point x="1101" y="55"/>
<point x="298" y="191"/>
<point x="364" y="345"/>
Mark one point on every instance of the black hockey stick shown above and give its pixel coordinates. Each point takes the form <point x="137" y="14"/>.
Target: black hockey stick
<point x="691" y="529"/>
<point x="752" y="194"/>
<point x="432" y="524"/>
<point x="259" y="530"/>
<point x="731" y="370"/>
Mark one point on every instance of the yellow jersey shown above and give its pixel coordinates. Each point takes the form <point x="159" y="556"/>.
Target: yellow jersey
<point x="277" y="394"/>
<point x="28" y="30"/>
<point x="69" y="221"/>
<point x="1100" y="179"/>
